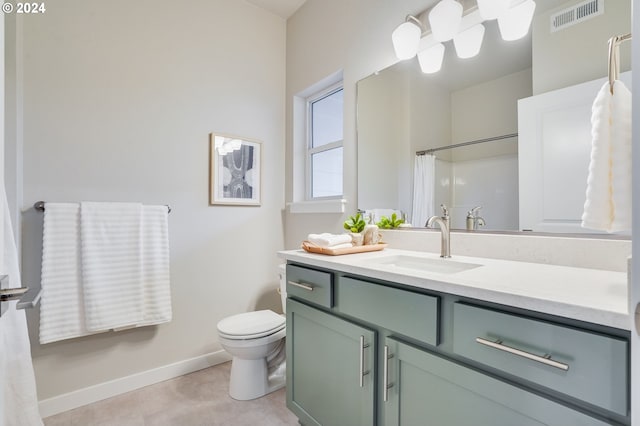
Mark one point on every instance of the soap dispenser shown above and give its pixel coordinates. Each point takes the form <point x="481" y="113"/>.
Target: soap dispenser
<point x="371" y="234"/>
<point x="473" y="220"/>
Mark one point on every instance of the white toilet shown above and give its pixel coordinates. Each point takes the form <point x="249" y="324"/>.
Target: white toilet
<point x="257" y="342"/>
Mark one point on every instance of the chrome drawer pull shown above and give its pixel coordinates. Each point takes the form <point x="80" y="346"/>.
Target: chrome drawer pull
<point x="301" y="285"/>
<point x="385" y="374"/>
<point x="16" y="293"/>
<point x="363" y="373"/>
<point x="544" y="359"/>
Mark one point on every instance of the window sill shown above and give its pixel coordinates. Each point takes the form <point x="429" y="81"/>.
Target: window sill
<point x="321" y="206"/>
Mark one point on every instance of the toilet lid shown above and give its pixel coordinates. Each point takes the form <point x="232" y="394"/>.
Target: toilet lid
<point x="251" y="325"/>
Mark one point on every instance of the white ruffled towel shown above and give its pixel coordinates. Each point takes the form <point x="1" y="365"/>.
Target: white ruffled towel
<point x="608" y="203"/>
<point x="327" y="240"/>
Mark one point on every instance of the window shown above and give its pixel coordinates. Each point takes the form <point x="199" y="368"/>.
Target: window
<point x="324" y="144"/>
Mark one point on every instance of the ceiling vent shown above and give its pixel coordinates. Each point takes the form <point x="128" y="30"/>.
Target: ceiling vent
<point x="576" y="14"/>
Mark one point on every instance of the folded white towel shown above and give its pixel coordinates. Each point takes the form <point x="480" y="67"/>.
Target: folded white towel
<point x="340" y="246"/>
<point x="608" y="197"/>
<point x="62" y="304"/>
<point x="329" y="240"/>
<point x="111" y="235"/>
<point x="155" y="265"/>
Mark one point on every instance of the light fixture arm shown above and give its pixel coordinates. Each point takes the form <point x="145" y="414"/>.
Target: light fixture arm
<point x="411" y="18"/>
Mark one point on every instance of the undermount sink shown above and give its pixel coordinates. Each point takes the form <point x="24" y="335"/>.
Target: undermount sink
<point x="440" y="266"/>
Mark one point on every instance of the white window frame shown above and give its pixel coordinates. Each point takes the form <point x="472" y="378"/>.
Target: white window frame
<point x="300" y="203"/>
<point x="310" y="151"/>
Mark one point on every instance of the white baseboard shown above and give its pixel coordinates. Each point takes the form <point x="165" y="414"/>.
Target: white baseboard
<point x="88" y="395"/>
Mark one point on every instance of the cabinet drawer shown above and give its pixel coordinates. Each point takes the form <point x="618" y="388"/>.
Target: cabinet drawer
<point x="412" y="314"/>
<point x="585" y="365"/>
<point x="310" y="285"/>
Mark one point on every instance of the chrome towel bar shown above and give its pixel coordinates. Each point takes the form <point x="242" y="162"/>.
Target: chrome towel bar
<point x="39" y="206"/>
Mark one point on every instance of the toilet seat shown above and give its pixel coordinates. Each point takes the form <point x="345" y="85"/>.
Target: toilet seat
<point x="251" y="325"/>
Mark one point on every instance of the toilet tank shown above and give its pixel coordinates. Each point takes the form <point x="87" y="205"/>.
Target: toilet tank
<point x="282" y="273"/>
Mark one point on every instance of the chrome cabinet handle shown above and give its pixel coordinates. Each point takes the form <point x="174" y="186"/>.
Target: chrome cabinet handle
<point x="544" y="359"/>
<point x="12" y="293"/>
<point x="7" y="294"/>
<point x="307" y="287"/>
<point x="363" y="373"/>
<point x="385" y="374"/>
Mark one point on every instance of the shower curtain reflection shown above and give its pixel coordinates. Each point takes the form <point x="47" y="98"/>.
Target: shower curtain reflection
<point x="423" y="189"/>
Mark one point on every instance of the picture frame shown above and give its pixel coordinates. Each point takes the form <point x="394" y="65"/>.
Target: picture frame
<point x="235" y="171"/>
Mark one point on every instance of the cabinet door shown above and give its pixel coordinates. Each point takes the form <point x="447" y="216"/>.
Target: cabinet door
<point x="330" y="368"/>
<point x="554" y="150"/>
<point x="428" y="390"/>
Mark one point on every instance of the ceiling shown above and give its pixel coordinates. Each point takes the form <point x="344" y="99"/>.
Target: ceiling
<point x="282" y="8"/>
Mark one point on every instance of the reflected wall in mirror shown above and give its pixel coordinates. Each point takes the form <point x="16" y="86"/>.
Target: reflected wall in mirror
<point x="402" y="111"/>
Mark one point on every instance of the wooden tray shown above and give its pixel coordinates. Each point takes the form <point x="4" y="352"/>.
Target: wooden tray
<point x="308" y="247"/>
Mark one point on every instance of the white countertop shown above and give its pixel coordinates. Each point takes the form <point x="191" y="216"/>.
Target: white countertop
<point x="583" y="294"/>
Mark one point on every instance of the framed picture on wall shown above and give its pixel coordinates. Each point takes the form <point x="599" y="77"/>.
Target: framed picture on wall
<point x="234" y="171"/>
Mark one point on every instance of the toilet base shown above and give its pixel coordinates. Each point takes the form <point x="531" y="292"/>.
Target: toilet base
<point x="250" y="379"/>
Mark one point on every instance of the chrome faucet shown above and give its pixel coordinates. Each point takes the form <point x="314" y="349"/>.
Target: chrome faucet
<point x="445" y="215"/>
<point x="473" y="220"/>
<point x="443" y="222"/>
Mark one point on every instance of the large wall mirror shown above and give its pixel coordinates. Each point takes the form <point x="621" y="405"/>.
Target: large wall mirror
<point x="474" y="103"/>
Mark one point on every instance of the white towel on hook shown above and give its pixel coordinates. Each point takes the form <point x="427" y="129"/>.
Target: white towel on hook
<point x="111" y="235"/>
<point x="62" y="303"/>
<point x="155" y="265"/>
<point x="608" y="197"/>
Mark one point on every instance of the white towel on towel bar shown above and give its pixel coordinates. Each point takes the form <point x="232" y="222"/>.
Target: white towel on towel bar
<point x="608" y="198"/>
<point x="111" y="236"/>
<point x="155" y="265"/>
<point x="62" y="304"/>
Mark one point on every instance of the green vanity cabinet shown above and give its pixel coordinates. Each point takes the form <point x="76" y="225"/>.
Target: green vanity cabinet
<point x="428" y="390"/>
<point x="330" y="368"/>
<point x="362" y="351"/>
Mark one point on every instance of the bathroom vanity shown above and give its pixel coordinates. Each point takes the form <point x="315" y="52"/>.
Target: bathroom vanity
<point x="407" y="338"/>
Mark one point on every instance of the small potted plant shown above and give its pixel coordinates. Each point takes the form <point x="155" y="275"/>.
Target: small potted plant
<point x="355" y="225"/>
<point x="390" y="223"/>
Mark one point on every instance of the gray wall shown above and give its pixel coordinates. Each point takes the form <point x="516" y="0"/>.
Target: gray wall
<point x="119" y="101"/>
<point x="578" y="54"/>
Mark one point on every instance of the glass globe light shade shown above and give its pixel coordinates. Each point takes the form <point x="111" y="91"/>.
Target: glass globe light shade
<point x="430" y="59"/>
<point x="468" y="42"/>
<point x="515" y="22"/>
<point x="445" y="19"/>
<point x="492" y="9"/>
<point x="406" y="38"/>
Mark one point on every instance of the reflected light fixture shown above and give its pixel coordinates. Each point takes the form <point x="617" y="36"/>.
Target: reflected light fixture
<point x="492" y="9"/>
<point x="445" y="19"/>
<point x="515" y="22"/>
<point x="226" y="145"/>
<point x="469" y="41"/>
<point x="406" y="38"/>
<point x="430" y="59"/>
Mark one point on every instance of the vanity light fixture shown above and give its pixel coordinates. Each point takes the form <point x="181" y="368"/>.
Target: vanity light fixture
<point x="492" y="9"/>
<point x="406" y="38"/>
<point x="468" y="42"/>
<point x="430" y="59"/>
<point x="514" y="23"/>
<point x="445" y="19"/>
<point x="462" y="21"/>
